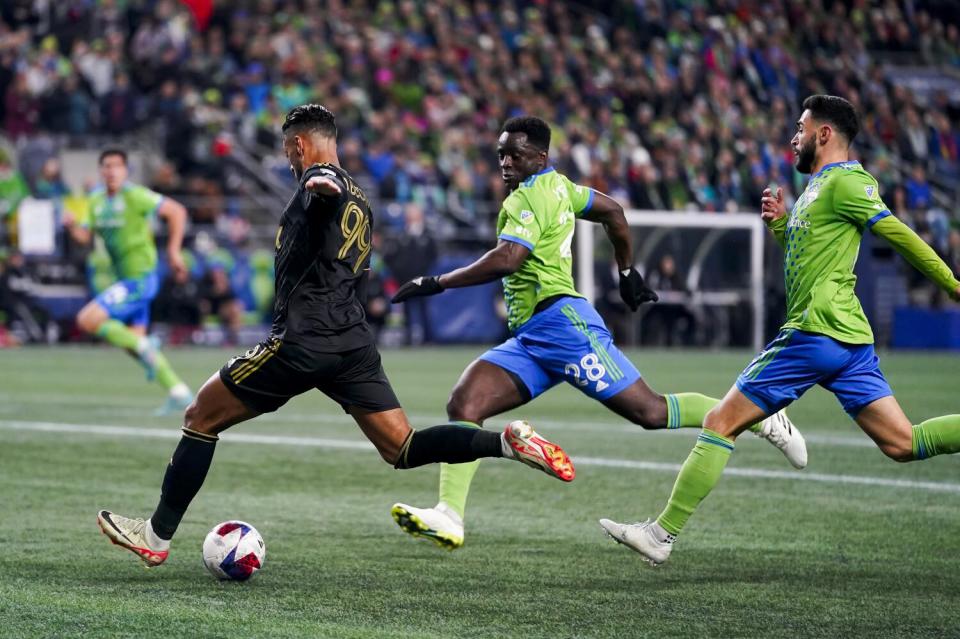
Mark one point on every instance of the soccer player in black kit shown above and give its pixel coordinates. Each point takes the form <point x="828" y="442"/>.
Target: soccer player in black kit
<point x="319" y="339"/>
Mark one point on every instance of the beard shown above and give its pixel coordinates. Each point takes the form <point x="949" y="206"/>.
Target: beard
<point x="806" y="156"/>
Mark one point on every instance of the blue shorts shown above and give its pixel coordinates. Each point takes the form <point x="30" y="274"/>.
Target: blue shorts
<point x="567" y="342"/>
<point x="129" y="300"/>
<point x="796" y="360"/>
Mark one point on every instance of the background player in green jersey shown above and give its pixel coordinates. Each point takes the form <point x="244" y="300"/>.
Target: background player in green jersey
<point x="826" y="339"/>
<point x="557" y="335"/>
<point x="121" y="213"/>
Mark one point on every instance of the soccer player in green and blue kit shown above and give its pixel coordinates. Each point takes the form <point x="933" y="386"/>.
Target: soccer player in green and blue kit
<point x="826" y="339"/>
<point x="557" y="334"/>
<point x="121" y="213"/>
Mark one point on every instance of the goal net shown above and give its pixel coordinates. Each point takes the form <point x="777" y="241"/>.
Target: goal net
<point x="715" y="293"/>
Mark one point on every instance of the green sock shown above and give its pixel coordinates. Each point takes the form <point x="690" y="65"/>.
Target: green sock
<point x="455" y="479"/>
<point x="118" y="334"/>
<point x="687" y="410"/>
<point x="700" y="473"/>
<point x="165" y="375"/>
<point x="937" y="436"/>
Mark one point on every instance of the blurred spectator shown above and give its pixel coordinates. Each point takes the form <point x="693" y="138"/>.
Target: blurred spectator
<point x="178" y="301"/>
<point x="410" y="255"/>
<point x="919" y="194"/>
<point x="377" y="304"/>
<point x="49" y="183"/>
<point x="668" y="322"/>
<point x="217" y="298"/>
<point x="693" y="111"/>
<point x="23" y="314"/>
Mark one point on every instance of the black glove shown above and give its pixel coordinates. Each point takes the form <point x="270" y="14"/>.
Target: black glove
<point x="632" y="289"/>
<point x="418" y="287"/>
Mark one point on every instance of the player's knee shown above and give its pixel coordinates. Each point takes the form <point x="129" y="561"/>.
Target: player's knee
<point x="87" y="321"/>
<point x="459" y="407"/>
<point x="195" y="420"/>
<point x="389" y="454"/>
<point x="650" y="415"/>
<point x="898" y="452"/>
<point x="715" y="422"/>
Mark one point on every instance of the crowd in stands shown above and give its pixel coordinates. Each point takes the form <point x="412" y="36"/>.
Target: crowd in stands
<point x="664" y="105"/>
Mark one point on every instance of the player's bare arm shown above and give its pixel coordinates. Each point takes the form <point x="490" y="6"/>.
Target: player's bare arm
<point x="80" y="235"/>
<point x="175" y="215"/>
<point x="504" y="259"/>
<point x="608" y="212"/>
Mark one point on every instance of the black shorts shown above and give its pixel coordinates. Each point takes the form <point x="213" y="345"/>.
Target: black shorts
<point x="269" y="374"/>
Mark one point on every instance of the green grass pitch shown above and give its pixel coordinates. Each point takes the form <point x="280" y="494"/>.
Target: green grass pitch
<point x="855" y="545"/>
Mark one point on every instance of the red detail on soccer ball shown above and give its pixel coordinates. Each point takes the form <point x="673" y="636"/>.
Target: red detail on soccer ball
<point x="228" y="528"/>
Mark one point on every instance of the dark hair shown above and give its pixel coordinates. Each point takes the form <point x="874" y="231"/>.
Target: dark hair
<point x="311" y="117"/>
<point x="108" y="152"/>
<point x="834" y="110"/>
<point x="538" y="131"/>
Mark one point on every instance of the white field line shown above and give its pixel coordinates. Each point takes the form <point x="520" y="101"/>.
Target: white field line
<point x="344" y="444"/>
<point x="136" y="411"/>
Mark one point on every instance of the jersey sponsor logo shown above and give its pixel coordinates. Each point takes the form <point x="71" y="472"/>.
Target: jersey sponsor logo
<point x="796" y="221"/>
<point x="526" y="216"/>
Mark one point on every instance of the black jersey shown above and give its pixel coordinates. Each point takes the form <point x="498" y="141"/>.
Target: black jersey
<point x="323" y="253"/>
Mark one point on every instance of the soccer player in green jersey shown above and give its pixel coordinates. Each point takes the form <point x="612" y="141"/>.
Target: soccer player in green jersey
<point x="121" y="213"/>
<point x="557" y="334"/>
<point x="826" y="339"/>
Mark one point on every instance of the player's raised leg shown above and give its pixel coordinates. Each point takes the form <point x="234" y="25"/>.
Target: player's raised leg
<point x="698" y="475"/>
<point x="886" y="424"/>
<point x="483" y="390"/>
<point x="106" y="317"/>
<point x="214" y="410"/>
<point x="404" y="447"/>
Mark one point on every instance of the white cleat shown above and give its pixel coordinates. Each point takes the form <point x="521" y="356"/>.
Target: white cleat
<point x="780" y="431"/>
<point x="440" y="524"/>
<point x="132" y="535"/>
<point x="640" y="538"/>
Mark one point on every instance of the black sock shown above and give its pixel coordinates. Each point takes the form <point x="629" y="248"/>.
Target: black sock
<point x="450" y="444"/>
<point x="183" y="479"/>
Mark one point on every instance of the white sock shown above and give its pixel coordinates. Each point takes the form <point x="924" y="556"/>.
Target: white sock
<point x="505" y="448"/>
<point x="153" y="540"/>
<point x="660" y="534"/>
<point x="444" y="508"/>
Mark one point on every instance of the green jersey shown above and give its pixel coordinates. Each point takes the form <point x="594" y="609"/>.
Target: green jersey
<point x="541" y="215"/>
<point x="123" y="221"/>
<point x="821" y="239"/>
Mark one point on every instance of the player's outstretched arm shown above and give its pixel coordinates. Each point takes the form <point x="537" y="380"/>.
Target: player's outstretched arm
<point x="913" y="249"/>
<point x="80" y="234"/>
<point x="608" y="212"/>
<point x="498" y="262"/>
<point x="175" y="215"/>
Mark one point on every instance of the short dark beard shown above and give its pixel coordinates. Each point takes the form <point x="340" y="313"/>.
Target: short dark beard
<point x="806" y="156"/>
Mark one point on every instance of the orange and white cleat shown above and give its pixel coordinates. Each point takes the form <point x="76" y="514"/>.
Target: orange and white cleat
<point x="132" y="535"/>
<point x="533" y="450"/>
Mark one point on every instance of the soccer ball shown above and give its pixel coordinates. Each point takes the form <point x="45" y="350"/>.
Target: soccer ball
<point x="233" y="550"/>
